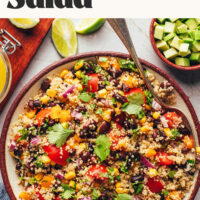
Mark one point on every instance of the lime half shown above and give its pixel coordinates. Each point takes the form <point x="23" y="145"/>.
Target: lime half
<point x="64" y="37"/>
<point x="89" y="25"/>
<point x="24" y="23"/>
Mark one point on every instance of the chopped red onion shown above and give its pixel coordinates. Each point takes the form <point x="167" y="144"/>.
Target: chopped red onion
<point x="156" y="105"/>
<point x="146" y="162"/>
<point x="59" y="176"/>
<point x="69" y="91"/>
<point x="85" y="198"/>
<point x="164" y="122"/>
<point x="12" y="145"/>
<point x="35" y="140"/>
<point x="77" y="115"/>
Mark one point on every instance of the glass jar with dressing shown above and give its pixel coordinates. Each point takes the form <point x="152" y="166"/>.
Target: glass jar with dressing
<point x="9" y="45"/>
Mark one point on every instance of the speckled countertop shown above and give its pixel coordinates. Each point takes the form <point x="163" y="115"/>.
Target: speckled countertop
<point x="106" y="40"/>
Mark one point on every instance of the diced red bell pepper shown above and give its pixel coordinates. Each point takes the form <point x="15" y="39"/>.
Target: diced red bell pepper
<point x="97" y="172"/>
<point x="163" y="159"/>
<point x="92" y="84"/>
<point x="42" y="115"/>
<point x="172" y="119"/>
<point x="155" y="185"/>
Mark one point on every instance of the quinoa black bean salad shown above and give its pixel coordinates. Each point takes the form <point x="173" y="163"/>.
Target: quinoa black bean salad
<point x="96" y="133"/>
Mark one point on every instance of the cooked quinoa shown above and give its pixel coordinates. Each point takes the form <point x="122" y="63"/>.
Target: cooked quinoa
<point x="96" y="133"/>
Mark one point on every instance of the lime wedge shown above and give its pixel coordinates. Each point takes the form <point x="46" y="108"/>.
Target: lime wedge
<point x="64" y="37"/>
<point x="24" y="23"/>
<point x="89" y="25"/>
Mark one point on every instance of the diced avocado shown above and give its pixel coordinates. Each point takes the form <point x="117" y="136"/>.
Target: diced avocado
<point x="197" y="34"/>
<point x="169" y="36"/>
<point x="173" y="19"/>
<point x="195" y="46"/>
<point x="170" y="53"/>
<point x="197" y="20"/>
<point x="158" y="33"/>
<point x="176" y="42"/>
<point x="191" y="23"/>
<point x="161" y="20"/>
<point x="169" y="27"/>
<point x="188" y="40"/>
<point x="184" y="47"/>
<point x="182" y="61"/>
<point x="192" y="34"/>
<point x="162" y="45"/>
<point x="195" y="57"/>
<point x="185" y="54"/>
<point x="182" y="29"/>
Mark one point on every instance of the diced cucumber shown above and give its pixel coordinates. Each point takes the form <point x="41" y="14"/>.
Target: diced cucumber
<point x="192" y="34"/>
<point x="178" y="23"/>
<point x="176" y="42"/>
<point x="159" y="31"/>
<point x="170" y="53"/>
<point x="161" y="20"/>
<point x="197" y="20"/>
<point x="169" y="27"/>
<point x="183" y="19"/>
<point x="182" y="61"/>
<point x="184" y="47"/>
<point x="155" y="24"/>
<point x="185" y="54"/>
<point x="169" y="42"/>
<point x="191" y="23"/>
<point x="183" y="35"/>
<point x="169" y="36"/>
<point x="195" y="46"/>
<point x="197" y="34"/>
<point x="162" y="45"/>
<point x="173" y="19"/>
<point x="195" y="57"/>
<point x="182" y="29"/>
<point x="188" y="40"/>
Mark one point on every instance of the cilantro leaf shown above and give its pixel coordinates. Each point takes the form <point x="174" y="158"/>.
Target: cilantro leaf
<point x="127" y="64"/>
<point x="175" y="133"/>
<point x="68" y="192"/>
<point x="24" y="135"/>
<point x="136" y="98"/>
<point x="132" y="109"/>
<point x="124" y="197"/>
<point x="95" y="194"/>
<point x="58" y="135"/>
<point x="171" y="174"/>
<point x="99" y="111"/>
<point x="138" y="187"/>
<point x="85" y="97"/>
<point x="148" y="97"/>
<point x="102" y="148"/>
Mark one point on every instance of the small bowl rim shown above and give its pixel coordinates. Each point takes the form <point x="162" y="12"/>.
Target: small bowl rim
<point x="171" y="64"/>
<point x="69" y="59"/>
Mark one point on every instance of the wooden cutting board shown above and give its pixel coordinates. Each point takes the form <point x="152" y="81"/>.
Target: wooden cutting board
<point x="30" y="40"/>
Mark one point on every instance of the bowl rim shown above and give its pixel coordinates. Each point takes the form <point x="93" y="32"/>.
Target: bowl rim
<point x="51" y="67"/>
<point x="171" y="64"/>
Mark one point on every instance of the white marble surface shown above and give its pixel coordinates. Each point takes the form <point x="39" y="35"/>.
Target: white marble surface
<point x="105" y="40"/>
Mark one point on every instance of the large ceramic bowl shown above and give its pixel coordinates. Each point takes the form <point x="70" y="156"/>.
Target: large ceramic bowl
<point x="153" y="42"/>
<point x="7" y="163"/>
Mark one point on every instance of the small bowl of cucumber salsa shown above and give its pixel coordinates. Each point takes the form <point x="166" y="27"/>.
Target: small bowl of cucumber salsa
<point x="177" y="41"/>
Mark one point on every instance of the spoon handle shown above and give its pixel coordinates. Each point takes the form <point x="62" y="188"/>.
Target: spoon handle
<point x="120" y="27"/>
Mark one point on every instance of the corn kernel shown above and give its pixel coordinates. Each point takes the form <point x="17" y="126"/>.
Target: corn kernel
<point x="121" y="93"/>
<point x="167" y="132"/>
<point x="79" y="65"/>
<point x="72" y="184"/>
<point x="70" y="175"/>
<point x="51" y="93"/>
<point x="24" y="196"/>
<point x="145" y="129"/>
<point x="39" y="176"/>
<point x="63" y="73"/>
<point x="44" y="99"/>
<point x="175" y="195"/>
<point x="152" y="172"/>
<point x="198" y="150"/>
<point x="31" y="114"/>
<point x="156" y="115"/>
<point x="116" y="171"/>
<point x="117" y="111"/>
<point x="78" y="74"/>
<point x="78" y="187"/>
<point x="55" y="112"/>
<point x="103" y="93"/>
<point x="45" y="159"/>
<point x="79" y="87"/>
<point x="118" y="185"/>
<point x="147" y="107"/>
<point x="12" y="154"/>
<point x="121" y="190"/>
<point x="65" y="116"/>
<point x="150" y="153"/>
<point x="143" y="120"/>
<point x="106" y="115"/>
<point x="82" y="146"/>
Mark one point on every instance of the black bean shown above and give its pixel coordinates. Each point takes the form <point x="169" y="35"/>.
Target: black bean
<point x="45" y="84"/>
<point x="138" y="178"/>
<point x="82" y="134"/>
<point x="129" y="125"/>
<point x="88" y="67"/>
<point x="57" y="166"/>
<point x="18" y="151"/>
<point x="125" y="88"/>
<point x="37" y="103"/>
<point x="18" y="166"/>
<point x="115" y="82"/>
<point x="104" y="127"/>
<point x="101" y="86"/>
<point x="165" y="85"/>
<point x="51" y="122"/>
<point x="72" y="152"/>
<point x="122" y="155"/>
<point x="30" y="104"/>
<point x="81" y="109"/>
<point x="120" y="98"/>
<point x="91" y="147"/>
<point x="114" y="73"/>
<point x="183" y="130"/>
<point x="103" y="197"/>
<point x="85" y="156"/>
<point x="155" y="134"/>
<point x="120" y="118"/>
<point x="52" y="104"/>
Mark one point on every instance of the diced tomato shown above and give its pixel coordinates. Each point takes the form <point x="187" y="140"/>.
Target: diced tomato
<point x="92" y="84"/>
<point x="42" y="115"/>
<point x="163" y="159"/>
<point x="135" y="90"/>
<point x="58" y="155"/>
<point x="154" y="185"/>
<point x="172" y="119"/>
<point x="58" y="198"/>
<point x="97" y="172"/>
<point x="40" y="196"/>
